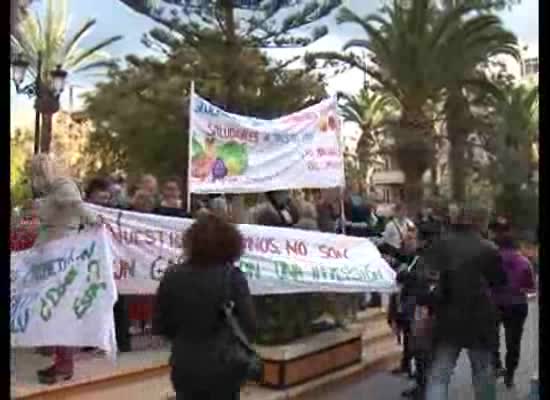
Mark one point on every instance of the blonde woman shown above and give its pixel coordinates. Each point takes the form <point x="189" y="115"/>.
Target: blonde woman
<point x="61" y="214"/>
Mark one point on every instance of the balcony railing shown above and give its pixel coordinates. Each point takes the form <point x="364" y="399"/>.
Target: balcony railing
<point x="395" y="177"/>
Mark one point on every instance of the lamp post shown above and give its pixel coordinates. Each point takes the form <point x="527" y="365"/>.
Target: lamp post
<point x="37" y="89"/>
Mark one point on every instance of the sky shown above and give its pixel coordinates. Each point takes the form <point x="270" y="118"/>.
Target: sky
<point x="114" y="18"/>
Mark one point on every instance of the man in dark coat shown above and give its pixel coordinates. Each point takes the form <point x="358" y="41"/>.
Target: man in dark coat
<point x="465" y="316"/>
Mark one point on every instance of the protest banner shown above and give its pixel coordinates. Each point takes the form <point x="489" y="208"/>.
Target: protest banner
<point x="276" y="260"/>
<point x="65" y="293"/>
<point x="230" y="153"/>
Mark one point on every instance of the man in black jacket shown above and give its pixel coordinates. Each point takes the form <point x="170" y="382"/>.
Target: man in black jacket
<point x="465" y="317"/>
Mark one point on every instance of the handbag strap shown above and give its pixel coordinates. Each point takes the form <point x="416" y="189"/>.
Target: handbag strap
<point x="228" y="306"/>
<point x="398" y="227"/>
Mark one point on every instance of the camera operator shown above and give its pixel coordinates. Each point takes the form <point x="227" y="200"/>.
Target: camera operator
<point x="416" y="282"/>
<point x="401" y="308"/>
<point x="465" y="267"/>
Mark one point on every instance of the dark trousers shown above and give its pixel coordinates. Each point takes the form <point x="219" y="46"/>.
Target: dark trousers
<point x="375" y="300"/>
<point x="208" y="395"/>
<point x="421" y="361"/>
<point x="407" y="351"/>
<point x="122" y="323"/>
<point x="512" y="318"/>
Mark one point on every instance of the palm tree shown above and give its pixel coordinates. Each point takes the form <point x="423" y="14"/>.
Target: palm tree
<point x="371" y="111"/>
<point x="517" y="133"/>
<point x="515" y="137"/>
<point x="485" y="37"/>
<point x="416" y="52"/>
<point x="409" y="49"/>
<point x="48" y="38"/>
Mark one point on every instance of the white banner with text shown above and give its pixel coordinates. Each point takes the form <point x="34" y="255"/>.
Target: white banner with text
<point x="232" y="153"/>
<point x="64" y="293"/>
<point x="276" y="260"/>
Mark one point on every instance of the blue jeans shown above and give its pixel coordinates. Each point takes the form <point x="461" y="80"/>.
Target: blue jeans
<point x="444" y="362"/>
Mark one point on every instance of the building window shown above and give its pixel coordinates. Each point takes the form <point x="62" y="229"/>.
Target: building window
<point x="387" y="164"/>
<point x="387" y="198"/>
<point x="531" y="66"/>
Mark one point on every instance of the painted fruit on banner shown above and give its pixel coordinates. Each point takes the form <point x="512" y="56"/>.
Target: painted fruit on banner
<point x="217" y="160"/>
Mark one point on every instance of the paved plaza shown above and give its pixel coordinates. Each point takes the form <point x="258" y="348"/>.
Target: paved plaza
<point x="384" y="386"/>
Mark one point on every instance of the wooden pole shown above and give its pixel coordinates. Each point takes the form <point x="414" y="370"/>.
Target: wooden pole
<point x="190" y="145"/>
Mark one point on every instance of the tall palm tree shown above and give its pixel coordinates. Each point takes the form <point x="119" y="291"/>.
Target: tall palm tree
<point x="515" y="136"/>
<point x="486" y="37"/>
<point x="409" y="47"/>
<point x="416" y="52"/>
<point x="49" y="38"/>
<point x="517" y="133"/>
<point x="372" y="111"/>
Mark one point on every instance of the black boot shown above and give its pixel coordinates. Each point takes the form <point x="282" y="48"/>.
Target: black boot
<point x="52" y="375"/>
<point x="410" y="393"/>
<point x="509" y="379"/>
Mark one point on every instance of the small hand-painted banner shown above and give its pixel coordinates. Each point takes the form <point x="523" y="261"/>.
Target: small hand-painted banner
<point x="64" y="293"/>
<point x="232" y="153"/>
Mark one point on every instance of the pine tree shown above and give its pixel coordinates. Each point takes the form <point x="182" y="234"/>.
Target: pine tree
<point x="232" y="28"/>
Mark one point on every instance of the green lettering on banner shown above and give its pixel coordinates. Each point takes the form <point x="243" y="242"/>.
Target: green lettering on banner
<point x="251" y="269"/>
<point x="54" y="295"/>
<point x="287" y="271"/>
<point x="81" y="306"/>
<point x="319" y="273"/>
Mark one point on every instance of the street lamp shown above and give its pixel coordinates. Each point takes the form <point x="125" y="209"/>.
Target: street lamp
<point x="19" y="68"/>
<point x="36" y="89"/>
<point x="58" y="80"/>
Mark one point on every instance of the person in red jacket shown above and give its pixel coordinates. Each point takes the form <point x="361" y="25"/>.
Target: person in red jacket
<point x="25" y="231"/>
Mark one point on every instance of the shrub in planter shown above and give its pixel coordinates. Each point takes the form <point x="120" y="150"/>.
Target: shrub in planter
<point x="285" y="318"/>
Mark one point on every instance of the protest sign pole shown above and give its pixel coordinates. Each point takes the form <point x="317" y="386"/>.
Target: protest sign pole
<point x="342" y="211"/>
<point x="190" y="145"/>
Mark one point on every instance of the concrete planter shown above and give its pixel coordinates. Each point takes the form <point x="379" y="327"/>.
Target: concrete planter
<point x="310" y="358"/>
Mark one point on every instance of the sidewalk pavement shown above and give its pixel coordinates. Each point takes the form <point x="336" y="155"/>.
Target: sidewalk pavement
<point x="384" y="386"/>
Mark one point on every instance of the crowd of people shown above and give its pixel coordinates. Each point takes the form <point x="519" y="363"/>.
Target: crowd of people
<point x="460" y="278"/>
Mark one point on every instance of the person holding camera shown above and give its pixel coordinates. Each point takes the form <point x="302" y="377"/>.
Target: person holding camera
<point x="467" y="267"/>
<point x="400" y="245"/>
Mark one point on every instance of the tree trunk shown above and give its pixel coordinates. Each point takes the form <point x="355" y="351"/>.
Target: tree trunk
<point x="232" y="57"/>
<point x="14" y="10"/>
<point x="434" y="179"/>
<point x="457" y="164"/>
<point x="458" y="124"/>
<point x="414" y="194"/>
<point x="46" y="133"/>
<point x="414" y="150"/>
<point x="48" y="104"/>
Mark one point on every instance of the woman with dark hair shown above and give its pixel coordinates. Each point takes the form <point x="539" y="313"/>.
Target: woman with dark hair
<point x="512" y="302"/>
<point x="188" y="310"/>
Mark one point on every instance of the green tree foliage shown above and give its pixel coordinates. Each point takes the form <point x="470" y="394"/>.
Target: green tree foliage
<point x="486" y="38"/>
<point x="372" y="111"/>
<point x="144" y="106"/>
<point x="417" y="50"/>
<point x="516" y="162"/>
<point x="21" y="147"/>
<point x="491" y="5"/>
<point x="50" y="37"/>
<point x="408" y="44"/>
<point x="216" y="24"/>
